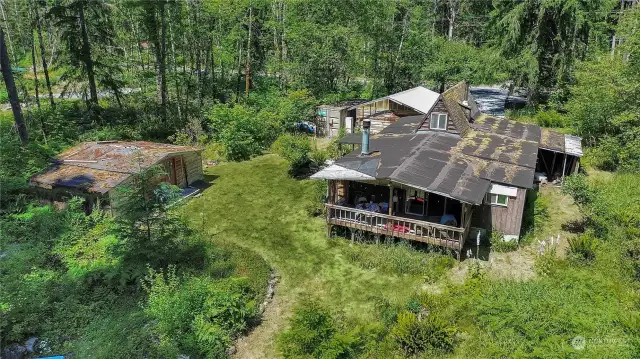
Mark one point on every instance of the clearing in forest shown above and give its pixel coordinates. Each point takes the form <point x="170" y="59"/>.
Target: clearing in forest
<point x="255" y="204"/>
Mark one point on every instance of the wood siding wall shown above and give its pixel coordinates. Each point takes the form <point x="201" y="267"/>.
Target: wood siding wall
<point x="439" y="108"/>
<point x="507" y="220"/>
<point x="193" y="164"/>
<point x="367" y="110"/>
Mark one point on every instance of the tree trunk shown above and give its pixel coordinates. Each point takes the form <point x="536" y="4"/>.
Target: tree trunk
<point x="175" y="68"/>
<point x="86" y="57"/>
<point x="453" y="11"/>
<point x="161" y="59"/>
<point x="7" y="75"/>
<point x="247" y="71"/>
<point x="43" y="56"/>
<point x="35" y="72"/>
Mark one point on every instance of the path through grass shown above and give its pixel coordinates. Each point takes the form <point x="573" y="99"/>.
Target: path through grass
<point x="255" y="204"/>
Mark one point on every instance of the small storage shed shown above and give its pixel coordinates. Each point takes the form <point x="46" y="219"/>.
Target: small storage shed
<point x="330" y="118"/>
<point x="94" y="169"/>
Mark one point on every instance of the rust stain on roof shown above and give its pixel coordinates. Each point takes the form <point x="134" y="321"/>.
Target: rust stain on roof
<point x="100" y="166"/>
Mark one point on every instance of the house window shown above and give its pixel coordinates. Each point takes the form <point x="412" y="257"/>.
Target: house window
<point x="438" y="121"/>
<point x="415" y="203"/>
<point x="497" y="199"/>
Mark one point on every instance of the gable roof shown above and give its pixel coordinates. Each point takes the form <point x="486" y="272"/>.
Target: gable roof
<point x="100" y="166"/>
<point x="453" y="100"/>
<point x="488" y="150"/>
<point x="418" y="98"/>
<point x="443" y="163"/>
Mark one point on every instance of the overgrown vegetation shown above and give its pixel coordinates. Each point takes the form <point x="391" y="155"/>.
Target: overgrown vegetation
<point x="500" y="244"/>
<point x="239" y="78"/>
<point x="64" y="274"/>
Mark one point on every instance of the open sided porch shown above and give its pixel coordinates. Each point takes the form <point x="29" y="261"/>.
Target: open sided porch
<point x="397" y="210"/>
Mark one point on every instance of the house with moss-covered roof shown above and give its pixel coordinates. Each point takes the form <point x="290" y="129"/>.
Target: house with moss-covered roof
<point x="440" y="171"/>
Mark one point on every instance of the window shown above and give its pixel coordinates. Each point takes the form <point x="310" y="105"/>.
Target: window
<point x="438" y="121"/>
<point x="497" y="199"/>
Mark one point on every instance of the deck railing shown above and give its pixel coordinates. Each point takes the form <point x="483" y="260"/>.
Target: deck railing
<point x="432" y="233"/>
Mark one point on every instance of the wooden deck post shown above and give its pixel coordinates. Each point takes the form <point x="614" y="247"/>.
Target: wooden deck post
<point x="564" y="166"/>
<point x="391" y="200"/>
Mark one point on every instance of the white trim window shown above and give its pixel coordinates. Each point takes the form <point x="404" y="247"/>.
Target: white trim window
<point x="500" y="200"/>
<point x="438" y="121"/>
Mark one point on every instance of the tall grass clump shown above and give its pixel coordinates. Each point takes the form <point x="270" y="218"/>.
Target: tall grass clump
<point x="500" y="244"/>
<point x="399" y="259"/>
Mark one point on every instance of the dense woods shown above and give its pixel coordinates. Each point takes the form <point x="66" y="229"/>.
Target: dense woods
<point x="237" y="78"/>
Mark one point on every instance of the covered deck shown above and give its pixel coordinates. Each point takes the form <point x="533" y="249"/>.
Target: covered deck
<point x="396" y="210"/>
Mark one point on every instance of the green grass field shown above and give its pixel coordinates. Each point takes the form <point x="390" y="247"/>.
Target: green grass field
<point x="256" y="205"/>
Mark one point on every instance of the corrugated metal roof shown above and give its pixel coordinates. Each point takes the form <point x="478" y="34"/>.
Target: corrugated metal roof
<point x="342" y="173"/>
<point x="100" y="166"/>
<point x="573" y="145"/>
<point x="419" y="98"/>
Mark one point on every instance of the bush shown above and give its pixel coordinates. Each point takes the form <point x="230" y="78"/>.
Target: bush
<point x="583" y="247"/>
<point x="241" y="131"/>
<point x="314" y="333"/>
<point x="415" y="335"/>
<point x="550" y="119"/>
<point x="296" y="149"/>
<point x="195" y="315"/>
<point x="311" y="327"/>
<point x="500" y="245"/>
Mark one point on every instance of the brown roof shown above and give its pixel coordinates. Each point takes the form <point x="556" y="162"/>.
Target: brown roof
<point x="453" y="99"/>
<point x="100" y="166"/>
<point x="552" y="140"/>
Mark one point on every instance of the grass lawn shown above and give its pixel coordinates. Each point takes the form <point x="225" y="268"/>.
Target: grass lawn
<point x="257" y="205"/>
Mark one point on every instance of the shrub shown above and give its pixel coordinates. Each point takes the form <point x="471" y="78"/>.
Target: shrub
<point x="415" y="335"/>
<point x="241" y="131"/>
<point x="311" y="326"/>
<point x="583" y="247"/>
<point x="499" y="244"/>
<point x="550" y="119"/>
<point x="195" y="315"/>
<point x="314" y="333"/>
<point x="296" y="149"/>
<point x="318" y="157"/>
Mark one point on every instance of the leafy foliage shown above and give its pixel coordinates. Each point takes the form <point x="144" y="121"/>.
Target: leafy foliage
<point x="415" y="335"/>
<point x="240" y="131"/>
<point x="195" y="315"/>
<point x="499" y="244"/>
<point x="583" y="247"/>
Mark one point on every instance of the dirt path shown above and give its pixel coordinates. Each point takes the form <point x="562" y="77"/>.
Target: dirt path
<point x="260" y="343"/>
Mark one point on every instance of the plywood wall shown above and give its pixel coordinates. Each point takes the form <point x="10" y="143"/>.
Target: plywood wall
<point x="193" y="164"/>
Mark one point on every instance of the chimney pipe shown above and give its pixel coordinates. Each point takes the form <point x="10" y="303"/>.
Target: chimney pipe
<point x="366" y="124"/>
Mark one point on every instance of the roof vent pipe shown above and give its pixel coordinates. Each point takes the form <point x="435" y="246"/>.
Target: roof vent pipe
<point x="366" y="125"/>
